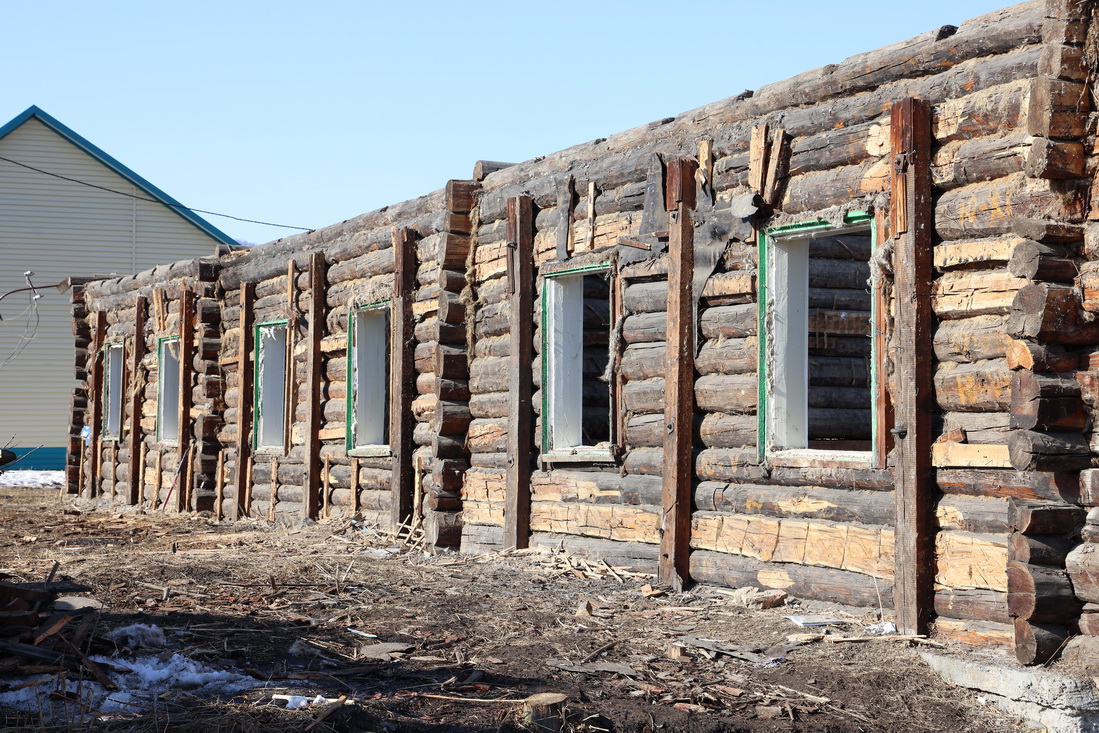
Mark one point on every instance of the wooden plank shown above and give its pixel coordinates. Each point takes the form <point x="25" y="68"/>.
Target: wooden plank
<point x="520" y="425"/>
<point x="137" y="396"/>
<point x="566" y="200"/>
<point x="966" y="455"/>
<point x="95" y="404"/>
<point x="679" y="398"/>
<point x="883" y="403"/>
<point x="402" y="345"/>
<point x="186" y="369"/>
<point x="245" y="378"/>
<point x="313" y="382"/>
<point x="910" y="132"/>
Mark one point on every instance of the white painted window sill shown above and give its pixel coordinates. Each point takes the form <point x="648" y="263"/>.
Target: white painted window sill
<point x="808" y="458"/>
<point x="370" y="451"/>
<point x="579" y="455"/>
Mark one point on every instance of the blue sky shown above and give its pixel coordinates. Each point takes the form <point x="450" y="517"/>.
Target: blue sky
<point x="311" y="113"/>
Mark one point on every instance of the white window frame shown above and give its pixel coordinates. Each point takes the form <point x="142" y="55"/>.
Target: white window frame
<point x="783" y="402"/>
<point x="114" y="369"/>
<point x="562" y="369"/>
<point x="272" y="378"/>
<point x="169" y="395"/>
<point x="369" y="398"/>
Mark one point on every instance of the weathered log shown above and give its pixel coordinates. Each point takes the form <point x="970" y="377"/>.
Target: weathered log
<point x="983" y="386"/>
<point x="645" y="297"/>
<point x="643" y="361"/>
<point x="726" y="356"/>
<point x="803" y="581"/>
<point x="965" y="293"/>
<point x="1050" y="314"/>
<point x="718" y="430"/>
<point x="1047" y="550"/>
<point x="1058" y="108"/>
<point x="1040" y="594"/>
<point x="644" y="396"/>
<point x="980" y="427"/>
<point x="1082" y="565"/>
<point x="838" y="505"/>
<point x="729" y="321"/>
<point x="1037" y="451"/>
<point x="728" y="464"/>
<point x="1053" y="486"/>
<point x="1039" y="357"/>
<point x="987" y="209"/>
<point x="1055" y="159"/>
<point x="971" y="339"/>
<point x="1046" y="402"/>
<point x="978" y="604"/>
<point x="979" y="159"/>
<point x="1038" y="643"/>
<point x="730" y="394"/>
<point x="1045" y="262"/>
<point x="645" y="328"/>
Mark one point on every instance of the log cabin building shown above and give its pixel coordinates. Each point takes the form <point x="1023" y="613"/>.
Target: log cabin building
<point x="836" y="336"/>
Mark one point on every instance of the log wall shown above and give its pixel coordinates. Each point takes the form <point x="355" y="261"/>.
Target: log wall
<point x="1014" y="345"/>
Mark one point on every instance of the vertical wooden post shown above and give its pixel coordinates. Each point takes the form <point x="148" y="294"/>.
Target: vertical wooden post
<point x="520" y="254"/>
<point x="402" y="344"/>
<point x="137" y="399"/>
<point x="911" y="220"/>
<point x="674" y="562"/>
<point x="186" y="368"/>
<point x="313" y="379"/>
<point x="273" y="498"/>
<point x="95" y="404"/>
<point x="244" y="399"/>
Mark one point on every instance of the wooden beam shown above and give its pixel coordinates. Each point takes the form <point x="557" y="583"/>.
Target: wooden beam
<point x="911" y="218"/>
<point x="403" y="345"/>
<point x="95" y="404"/>
<point x="244" y="399"/>
<point x="137" y="397"/>
<point x="675" y="538"/>
<point x="520" y="450"/>
<point x="186" y="368"/>
<point x="313" y="383"/>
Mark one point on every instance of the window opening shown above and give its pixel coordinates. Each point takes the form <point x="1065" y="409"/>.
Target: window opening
<point x="270" y="427"/>
<point x="112" y="396"/>
<point x="576" y="327"/>
<point x="368" y="356"/>
<point x="168" y="395"/>
<point x="817" y="315"/>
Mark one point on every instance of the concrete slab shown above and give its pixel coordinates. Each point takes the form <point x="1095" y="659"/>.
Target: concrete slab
<point x="1046" y="699"/>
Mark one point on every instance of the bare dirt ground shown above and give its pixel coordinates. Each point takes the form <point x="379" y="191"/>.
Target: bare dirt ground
<point x="478" y="634"/>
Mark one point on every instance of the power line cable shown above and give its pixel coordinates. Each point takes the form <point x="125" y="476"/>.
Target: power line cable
<point x="151" y="200"/>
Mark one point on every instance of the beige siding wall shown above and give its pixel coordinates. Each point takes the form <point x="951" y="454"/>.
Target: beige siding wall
<point x="56" y="229"/>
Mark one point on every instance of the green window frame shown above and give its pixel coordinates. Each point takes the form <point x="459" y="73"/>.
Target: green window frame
<point x="562" y="385"/>
<point x="114" y="370"/>
<point x="770" y="417"/>
<point x="167" y="390"/>
<point x="270" y="426"/>
<point x="369" y="354"/>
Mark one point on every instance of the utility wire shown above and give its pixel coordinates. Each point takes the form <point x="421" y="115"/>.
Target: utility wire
<point x="151" y="200"/>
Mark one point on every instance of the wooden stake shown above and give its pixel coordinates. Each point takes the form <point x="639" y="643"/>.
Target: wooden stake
<point x="137" y="398"/>
<point x="313" y="380"/>
<point x="219" y="494"/>
<point x="913" y="585"/>
<point x="673" y="566"/>
<point x="159" y="478"/>
<point x="95" y="404"/>
<point x="273" y="499"/>
<point x="248" y="487"/>
<point x="520" y="446"/>
<point x="186" y="368"/>
<point x="325" y="496"/>
<point x="244" y="401"/>
<point x="354" y="486"/>
<point x="402" y="345"/>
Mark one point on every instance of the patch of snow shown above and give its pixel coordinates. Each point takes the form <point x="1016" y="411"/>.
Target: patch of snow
<point x="33" y="479"/>
<point x="139" y="681"/>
